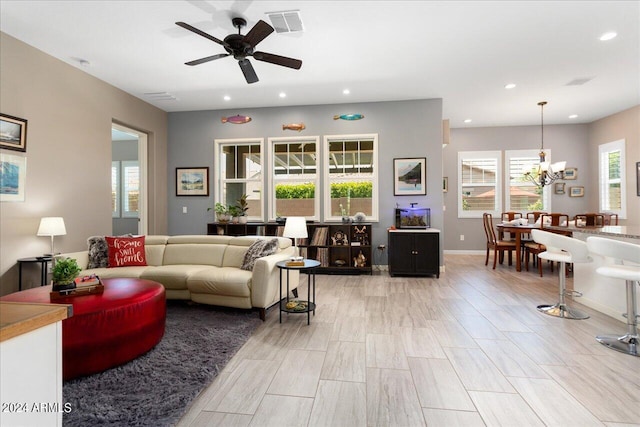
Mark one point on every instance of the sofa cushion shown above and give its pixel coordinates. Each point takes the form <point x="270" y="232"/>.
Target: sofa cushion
<point x="173" y="277"/>
<point x="98" y="252"/>
<point x="227" y="281"/>
<point x="126" y="251"/>
<point x="258" y="249"/>
<point x="105" y="273"/>
<point x="194" y="254"/>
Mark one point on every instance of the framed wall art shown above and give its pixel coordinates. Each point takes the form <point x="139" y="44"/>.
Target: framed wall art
<point x="410" y="176"/>
<point x="192" y="181"/>
<point x="13" y="133"/>
<point x="559" y="188"/>
<point x="576" y="191"/>
<point x="570" y="173"/>
<point x="13" y="177"/>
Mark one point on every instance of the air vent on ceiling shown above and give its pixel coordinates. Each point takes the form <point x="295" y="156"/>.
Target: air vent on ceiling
<point x="579" y="81"/>
<point x="286" y="22"/>
<point x="160" y="96"/>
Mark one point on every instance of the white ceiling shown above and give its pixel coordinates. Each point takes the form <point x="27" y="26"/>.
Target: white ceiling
<point x="462" y="52"/>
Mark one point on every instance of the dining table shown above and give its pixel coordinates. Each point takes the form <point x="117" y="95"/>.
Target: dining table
<point x="518" y="230"/>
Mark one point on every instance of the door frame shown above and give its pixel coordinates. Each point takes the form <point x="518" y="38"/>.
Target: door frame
<point x="143" y="141"/>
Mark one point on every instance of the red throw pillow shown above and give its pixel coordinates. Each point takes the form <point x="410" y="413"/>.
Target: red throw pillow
<point x="126" y="251"/>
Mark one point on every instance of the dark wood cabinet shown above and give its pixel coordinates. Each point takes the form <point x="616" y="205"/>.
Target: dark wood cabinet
<point x="414" y="253"/>
<point x="340" y="248"/>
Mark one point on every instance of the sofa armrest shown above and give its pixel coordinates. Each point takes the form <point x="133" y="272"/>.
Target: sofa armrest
<point x="82" y="258"/>
<point x="265" y="281"/>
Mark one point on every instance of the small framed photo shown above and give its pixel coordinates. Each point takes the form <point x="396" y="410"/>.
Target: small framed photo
<point x="559" y="188"/>
<point x="192" y="181"/>
<point x="570" y="173"/>
<point x="445" y="184"/>
<point x="13" y="133"/>
<point x="409" y="176"/>
<point x="576" y="191"/>
<point x="13" y="176"/>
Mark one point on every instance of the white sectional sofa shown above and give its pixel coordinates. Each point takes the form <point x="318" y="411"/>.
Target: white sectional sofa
<point x="206" y="269"/>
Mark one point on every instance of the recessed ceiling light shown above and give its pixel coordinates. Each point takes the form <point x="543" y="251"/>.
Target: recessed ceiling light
<point x="573" y="116"/>
<point x="227" y="98"/>
<point x="467" y="120"/>
<point x="608" y="36"/>
<point x="346" y="92"/>
<point x="510" y="86"/>
<point x="282" y="95"/>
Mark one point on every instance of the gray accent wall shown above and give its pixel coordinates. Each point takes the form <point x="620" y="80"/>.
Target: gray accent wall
<point x="404" y="128"/>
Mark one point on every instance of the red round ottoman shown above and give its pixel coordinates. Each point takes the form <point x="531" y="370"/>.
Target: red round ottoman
<point x="107" y="329"/>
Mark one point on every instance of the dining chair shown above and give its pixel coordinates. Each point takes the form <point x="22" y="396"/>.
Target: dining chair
<point x="499" y="246"/>
<point x="511" y="215"/>
<point x="589" y="220"/>
<point x="554" y="219"/>
<point x="532" y="217"/>
<point x="610" y="218"/>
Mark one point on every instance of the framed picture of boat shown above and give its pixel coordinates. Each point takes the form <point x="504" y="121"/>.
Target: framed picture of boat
<point x="13" y="133"/>
<point x="410" y="176"/>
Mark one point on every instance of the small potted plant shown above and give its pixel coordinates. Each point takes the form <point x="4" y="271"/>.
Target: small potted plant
<point x="235" y="213"/>
<point x="244" y="207"/>
<point x="222" y="212"/>
<point x="64" y="273"/>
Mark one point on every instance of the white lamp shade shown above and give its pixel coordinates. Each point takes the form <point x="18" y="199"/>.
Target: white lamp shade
<point x="52" y="226"/>
<point x="295" y="227"/>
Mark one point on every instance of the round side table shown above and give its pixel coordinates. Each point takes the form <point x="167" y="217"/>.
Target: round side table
<point x="309" y="267"/>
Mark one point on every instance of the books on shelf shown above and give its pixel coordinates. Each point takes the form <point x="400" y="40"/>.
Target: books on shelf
<point x="320" y="235"/>
<point x="280" y="231"/>
<point x="323" y="256"/>
<point x="303" y="252"/>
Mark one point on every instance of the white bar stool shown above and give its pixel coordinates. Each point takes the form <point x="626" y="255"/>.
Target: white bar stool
<point x="620" y="252"/>
<point x="562" y="249"/>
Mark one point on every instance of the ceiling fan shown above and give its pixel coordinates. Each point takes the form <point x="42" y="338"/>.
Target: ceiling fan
<point x="242" y="47"/>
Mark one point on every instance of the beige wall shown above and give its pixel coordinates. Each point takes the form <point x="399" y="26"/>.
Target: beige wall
<point x="68" y="154"/>
<point x="623" y="125"/>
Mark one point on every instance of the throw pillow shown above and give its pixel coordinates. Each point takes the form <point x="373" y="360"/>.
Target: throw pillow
<point x="126" y="251"/>
<point x="98" y="252"/>
<point x="258" y="249"/>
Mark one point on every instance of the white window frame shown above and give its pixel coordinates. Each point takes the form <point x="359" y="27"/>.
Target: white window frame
<point x="272" y="181"/>
<point x="124" y="190"/>
<point x="218" y="181"/>
<point x="533" y="154"/>
<point x="603" y="177"/>
<point x="115" y="186"/>
<point x="374" y="217"/>
<point x="481" y="155"/>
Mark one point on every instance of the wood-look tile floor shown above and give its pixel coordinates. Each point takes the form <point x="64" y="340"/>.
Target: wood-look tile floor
<point x="467" y="349"/>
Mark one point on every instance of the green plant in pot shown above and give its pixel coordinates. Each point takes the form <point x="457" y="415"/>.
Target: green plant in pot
<point x="64" y="272"/>
<point x="235" y="213"/>
<point x="243" y="205"/>
<point x="222" y="212"/>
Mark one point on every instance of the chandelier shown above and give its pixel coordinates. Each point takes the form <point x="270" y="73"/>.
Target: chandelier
<point x="546" y="173"/>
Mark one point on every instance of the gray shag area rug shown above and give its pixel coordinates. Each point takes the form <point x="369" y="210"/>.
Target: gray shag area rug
<point x="157" y="388"/>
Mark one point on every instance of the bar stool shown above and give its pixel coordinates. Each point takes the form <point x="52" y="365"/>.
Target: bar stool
<point x="562" y="249"/>
<point x="620" y="252"/>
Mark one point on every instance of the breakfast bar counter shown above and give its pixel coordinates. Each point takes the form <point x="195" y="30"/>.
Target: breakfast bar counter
<point x="601" y="293"/>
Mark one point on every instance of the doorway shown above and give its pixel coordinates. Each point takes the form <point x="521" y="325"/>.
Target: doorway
<point x="128" y="180"/>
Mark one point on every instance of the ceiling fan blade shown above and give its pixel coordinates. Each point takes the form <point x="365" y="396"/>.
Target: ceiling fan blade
<point x="201" y="33"/>
<point x="248" y="71"/>
<point x="278" y="60"/>
<point x="258" y="33"/>
<point x="207" y="59"/>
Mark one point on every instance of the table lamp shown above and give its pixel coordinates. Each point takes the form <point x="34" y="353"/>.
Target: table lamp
<point x="51" y="226"/>
<point x="295" y="227"/>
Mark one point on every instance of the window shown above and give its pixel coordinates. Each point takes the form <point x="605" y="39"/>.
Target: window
<point x="612" y="178"/>
<point x="239" y="164"/>
<point x="294" y="183"/>
<point x="478" y="183"/>
<point x="351" y="176"/>
<point x="125" y="189"/>
<point x="522" y="194"/>
<point x="115" y="189"/>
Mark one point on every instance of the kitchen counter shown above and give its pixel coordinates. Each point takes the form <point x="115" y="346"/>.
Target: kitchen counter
<point x="20" y="318"/>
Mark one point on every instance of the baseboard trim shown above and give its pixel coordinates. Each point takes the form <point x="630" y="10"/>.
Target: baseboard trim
<point x="464" y="252"/>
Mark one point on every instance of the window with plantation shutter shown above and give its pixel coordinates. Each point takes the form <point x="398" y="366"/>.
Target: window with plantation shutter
<point x="130" y="189"/>
<point x="479" y="178"/>
<point x="522" y="194"/>
<point x="611" y="178"/>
